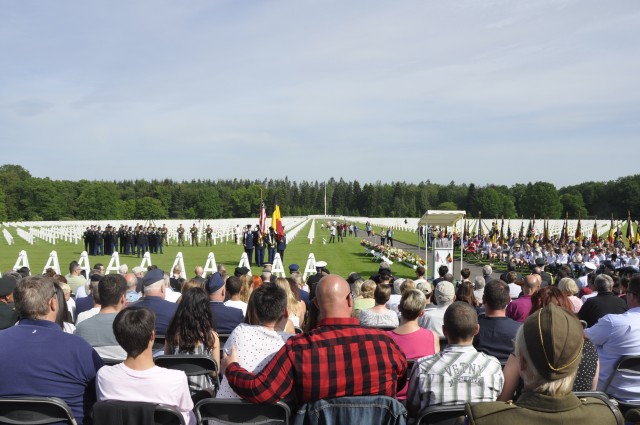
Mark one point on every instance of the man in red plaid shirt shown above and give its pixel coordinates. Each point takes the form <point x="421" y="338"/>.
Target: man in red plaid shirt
<point x="338" y="358"/>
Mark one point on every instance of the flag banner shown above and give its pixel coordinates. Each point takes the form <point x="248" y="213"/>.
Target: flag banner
<point x="594" y="233"/>
<point x="276" y="220"/>
<point x="578" y="234"/>
<point x="263" y="218"/>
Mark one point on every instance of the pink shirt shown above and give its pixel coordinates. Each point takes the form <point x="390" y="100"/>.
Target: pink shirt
<point x="519" y="308"/>
<point x="415" y="345"/>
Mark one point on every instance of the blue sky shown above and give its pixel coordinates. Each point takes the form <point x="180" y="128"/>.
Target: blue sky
<point x="497" y="92"/>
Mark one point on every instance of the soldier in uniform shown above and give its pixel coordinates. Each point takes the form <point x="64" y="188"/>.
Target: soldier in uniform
<point x="130" y="236"/>
<point x="99" y="244"/>
<point x="138" y="238"/>
<point x="247" y="242"/>
<point x="86" y="236"/>
<point x="272" y="241"/>
<point x="122" y="237"/>
<point x="194" y="235"/>
<point x="92" y="240"/>
<point x="180" y="235"/>
<point x="209" y="233"/>
<point x="549" y="346"/>
<point x="108" y="240"/>
<point x="164" y="231"/>
<point x="282" y="244"/>
<point x="258" y="243"/>
<point x="159" y="240"/>
<point x="151" y="236"/>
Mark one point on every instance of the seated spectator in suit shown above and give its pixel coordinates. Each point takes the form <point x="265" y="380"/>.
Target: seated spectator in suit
<point x="138" y="378"/>
<point x="154" y="288"/>
<point x="605" y="302"/>
<point x="497" y="331"/>
<point x="40" y="359"/>
<point x="98" y="330"/>
<point x="414" y="341"/>
<point x="458" y="374"/>
<point x="261" y="336"/>
<point x="224" y="318"/>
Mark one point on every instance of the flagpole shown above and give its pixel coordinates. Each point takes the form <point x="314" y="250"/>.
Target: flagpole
<point x="325" y="198"/>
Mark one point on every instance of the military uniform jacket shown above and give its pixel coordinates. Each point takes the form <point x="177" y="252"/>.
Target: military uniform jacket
<point x="534" y="408"/>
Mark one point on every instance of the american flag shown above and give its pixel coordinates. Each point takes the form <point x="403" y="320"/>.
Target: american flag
<point x="263" y="218"/>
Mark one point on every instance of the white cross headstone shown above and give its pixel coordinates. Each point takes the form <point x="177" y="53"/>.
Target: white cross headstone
<point x="244" y="262"/>
<point x="114" y="263"/>
<point x="83" y="262"/>
<point x="310" y="268"/>
<point x="146" y="260"/>
<point x="210" y="266"/>
<point x="179" y="261"/>
<point x="22" y="261"/>
<point x="52" y="262"/>
<point x="277" y="268"/>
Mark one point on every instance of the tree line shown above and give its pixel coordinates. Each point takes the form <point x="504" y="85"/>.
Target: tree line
<point x="27" y="198"/>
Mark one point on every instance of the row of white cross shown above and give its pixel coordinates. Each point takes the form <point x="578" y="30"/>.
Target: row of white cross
<point x="210" y="265"/>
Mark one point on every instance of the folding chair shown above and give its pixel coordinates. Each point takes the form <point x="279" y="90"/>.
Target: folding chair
<point x="441" y="415"/>
<point x="107" y="412"/>
<point x="235" y="411"/>
<point x="191" y="365"/>
<point x="605" y="398"/>
<point x="29" y="410"/>
<point x="370" y="410"/>
<point x="629" y="366"/>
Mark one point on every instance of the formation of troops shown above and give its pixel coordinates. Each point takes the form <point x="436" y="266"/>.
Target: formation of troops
<point x="125" y="240"/>
<point x="130" y="240"/>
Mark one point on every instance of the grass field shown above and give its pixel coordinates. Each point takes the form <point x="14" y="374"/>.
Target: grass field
<point x="342" y="258"/>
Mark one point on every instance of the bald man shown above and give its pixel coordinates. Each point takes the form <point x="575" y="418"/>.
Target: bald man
<point x="519" y="308"/>
<point x="338" y="358"/>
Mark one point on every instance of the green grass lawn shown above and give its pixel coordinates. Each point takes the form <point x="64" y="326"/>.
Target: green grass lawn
<point x="342" y="258"/>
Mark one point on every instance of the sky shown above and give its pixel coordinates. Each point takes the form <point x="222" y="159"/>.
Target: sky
<point x="474" y="91"/>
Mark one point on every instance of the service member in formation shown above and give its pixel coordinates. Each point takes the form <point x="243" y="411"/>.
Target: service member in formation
<point x="164" y="231"/>
<point x="194" y="235"/>
<point x="151" y="236"/>
<point x="159" y="240"/>
<point x="247" y="242"/>
<point x="209" y="234"/>
<point x="271" y="239"/>
<point x="181" y="235"/>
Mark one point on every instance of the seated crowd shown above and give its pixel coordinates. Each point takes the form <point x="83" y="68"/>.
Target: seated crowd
<point x="477" y="343"/>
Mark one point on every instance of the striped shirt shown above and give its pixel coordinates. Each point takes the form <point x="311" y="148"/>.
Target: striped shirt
<point x="338" y="358"/>
<point x="459" y="374"/>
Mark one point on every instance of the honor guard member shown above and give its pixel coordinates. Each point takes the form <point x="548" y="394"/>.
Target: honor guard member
<point x="164" y="231"/>
<point x="282" y="244"/>
<point x="194" y="235"/>
<point x="180" y="235"/>
<point x="129" y="248"/>
<point x="159" y="240"/>
<point x="99" y="245"/>
<point x="271" y="238"/>
<point x="151" y="236"/>
<point x="122" y="237"/>
<point x="209" y="233"/>
<point x="86" y="236"/>
<point x="258" y="244"/>
<point x="92" y="240"/>
<point x="247" y="242"/>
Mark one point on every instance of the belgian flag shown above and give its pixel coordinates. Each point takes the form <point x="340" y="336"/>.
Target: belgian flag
<point x="594" y="233"/>
<point x="630" y="235"/>
<point x="611" y="237"/>
<point x="578" y="234"/>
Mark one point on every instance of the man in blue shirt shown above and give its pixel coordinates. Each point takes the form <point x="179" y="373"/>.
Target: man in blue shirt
<point x="39" y="358"/>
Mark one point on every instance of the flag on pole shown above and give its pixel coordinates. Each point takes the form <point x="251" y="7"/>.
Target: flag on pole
<point x="611" y="236"/>
<point x="578" y="234"/>
<point x="263" y="217"/>
<point x="276" y="219"/>
<point x="502" y="232"/>
<point x="531" y="233"/>
<point x="594" y="233"/>
<point x="480" y="235"/>
<point x="636" y="240"/>
<point x="509" y="230"/>
<point x="521" y="235"/>
<point x="630" y="235"/>
<point x="545" y="232"/>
